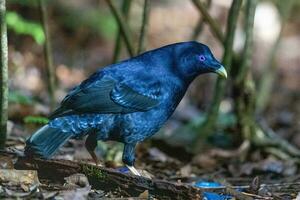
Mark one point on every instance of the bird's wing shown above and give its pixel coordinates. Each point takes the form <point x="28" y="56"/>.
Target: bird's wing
<point x="103" y="96"/>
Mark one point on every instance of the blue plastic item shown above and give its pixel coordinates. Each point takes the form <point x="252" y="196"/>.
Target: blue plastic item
<point x="212" y="195"/>
<point x="123" y="170"/>
<point x="206" y="184"/>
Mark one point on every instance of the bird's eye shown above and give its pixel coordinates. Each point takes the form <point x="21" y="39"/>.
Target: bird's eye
<point x="202" y="58"/>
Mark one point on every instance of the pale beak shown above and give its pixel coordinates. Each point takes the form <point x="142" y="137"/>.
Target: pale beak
<point x="221" y="71"/>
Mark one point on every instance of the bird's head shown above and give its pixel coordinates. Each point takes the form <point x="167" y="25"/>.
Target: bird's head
<point x="195" y="59"/>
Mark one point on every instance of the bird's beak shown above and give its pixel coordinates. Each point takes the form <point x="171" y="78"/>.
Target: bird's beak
<point x="221" y="71"/>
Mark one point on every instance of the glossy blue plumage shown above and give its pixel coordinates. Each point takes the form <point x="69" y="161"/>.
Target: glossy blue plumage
<point x="128" y="101"/>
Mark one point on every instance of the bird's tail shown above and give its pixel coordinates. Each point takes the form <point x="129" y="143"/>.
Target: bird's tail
<point x="46" y="141"/>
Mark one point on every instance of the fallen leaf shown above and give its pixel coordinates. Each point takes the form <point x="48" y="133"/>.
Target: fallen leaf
<point x="76" y="180"/>
<point x="19" y="177"/>
<point x="6" y="162"/>
<point x="144" y="195"/>
<point x="78" y="194"/>
<point x="157" y="155"/>
<point x="186" y="170"/>
<point x="205" y="161"/>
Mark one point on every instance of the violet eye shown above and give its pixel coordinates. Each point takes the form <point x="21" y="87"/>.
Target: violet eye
<point x="202" y="58"/>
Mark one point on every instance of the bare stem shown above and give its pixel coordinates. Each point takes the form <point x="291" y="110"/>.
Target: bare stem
<point x="206" y="128"/>
<point x="3" y="76"/>
<point x="215" y="27"/>
<point x="200" y="24"/>
<point x="144" y="27"/>
<point x="118" y="45"/>
<point x="248" y="46"/>
<point x="244" y="87"/>
<point x="124" y="28"/>
<point x="48" y="53"/>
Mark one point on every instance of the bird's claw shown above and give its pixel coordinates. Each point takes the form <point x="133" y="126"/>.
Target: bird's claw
<point x="95" y="158"/>
<point x="134" y="170"/>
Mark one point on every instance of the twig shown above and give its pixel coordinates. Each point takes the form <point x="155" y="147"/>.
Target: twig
<point x="124" y="28"/>
<point x="3" y="75"/>
<point x="212" y="23"/>
<point x="272" y="139"/>
<point x="257" y="196"/>
<point x="118" y="45"/>
<point x="48" y="52"/>
<point x="199" y="27"/>
<point x="227" y="154"/>
<point x="230" y="190"/>
<point x="144" y="27"/>
<point x="237" y="194"/>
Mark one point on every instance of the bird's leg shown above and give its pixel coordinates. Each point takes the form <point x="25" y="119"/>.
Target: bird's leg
<point x="129" y="158"/>
<point x="90" y="145"/>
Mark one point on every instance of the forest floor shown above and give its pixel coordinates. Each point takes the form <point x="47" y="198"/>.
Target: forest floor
<point x="219" y="173"/>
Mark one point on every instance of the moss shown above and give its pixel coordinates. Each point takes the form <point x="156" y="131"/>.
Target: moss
<point x="93" y="171"/>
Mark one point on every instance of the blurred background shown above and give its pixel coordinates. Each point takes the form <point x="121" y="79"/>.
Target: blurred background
<point x="83" y="37"/>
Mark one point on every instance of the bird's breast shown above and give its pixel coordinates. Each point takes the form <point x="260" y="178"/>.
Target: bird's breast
<point x="137" y="126"/>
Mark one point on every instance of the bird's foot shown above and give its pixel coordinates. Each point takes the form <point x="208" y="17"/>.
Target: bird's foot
<point x="133" y="170"/>
<point x="142" y="173"/>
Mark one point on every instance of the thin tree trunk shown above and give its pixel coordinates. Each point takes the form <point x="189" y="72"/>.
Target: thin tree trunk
<point x="212" y="23"/>
<point x="48" y="53"/>
<point x="207" y="127"/>
<point x="243" y="86"/>
<point x="144" y="28"/>
<point x="200" y="24"/>
<point x="246" y="59"/>
<point x="125" y="10"/>
<point x="3" y="76"/>
<point x="124" y="27"/>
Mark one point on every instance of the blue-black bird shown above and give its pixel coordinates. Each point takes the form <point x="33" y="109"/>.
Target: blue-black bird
<point x="127" y="102"/>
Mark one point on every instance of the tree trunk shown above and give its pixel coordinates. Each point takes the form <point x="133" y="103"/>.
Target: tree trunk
<point x="3" y="75"/>
<point x="207" y="127"/>
<point x="125" y="10"/>
<point x="144" y="28"/>
<point x="48" y="53"/>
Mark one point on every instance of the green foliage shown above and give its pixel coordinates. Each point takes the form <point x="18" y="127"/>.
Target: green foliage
<point x="107" y="26"/>
<point x="221" y="139"/>
<point x="99" y="22"/>
<point x="110" y="151"/>
<point x="23" y="2"/>
<point x="93" y="171"/>
<point x="36" y="120"/>
<point x="17" y="97"/>
<point x="103" y="23"/>
<point x="226" y="120"/>
<point x="22" y="26"/>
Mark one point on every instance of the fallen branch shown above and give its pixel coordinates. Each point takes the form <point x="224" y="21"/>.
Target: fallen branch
<point x="265" y="136"/>
<point x="108" y="179"/>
